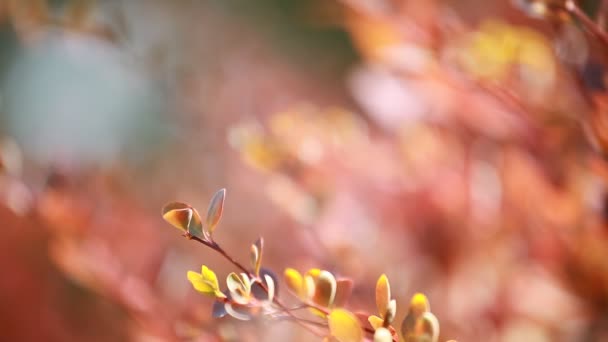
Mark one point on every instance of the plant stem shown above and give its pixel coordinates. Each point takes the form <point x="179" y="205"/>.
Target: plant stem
<point x="216" y="247"/>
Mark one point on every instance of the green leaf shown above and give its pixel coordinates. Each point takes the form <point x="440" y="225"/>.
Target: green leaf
<point x="184" y="217"/>
<point x="344" y="326"/>
<point x="214" y="212"/>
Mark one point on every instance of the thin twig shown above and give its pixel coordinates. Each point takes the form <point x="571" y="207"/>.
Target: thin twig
<point x="571" y="7"/>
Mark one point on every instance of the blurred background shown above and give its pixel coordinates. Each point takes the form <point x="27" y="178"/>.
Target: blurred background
<point x="456" y="145"/>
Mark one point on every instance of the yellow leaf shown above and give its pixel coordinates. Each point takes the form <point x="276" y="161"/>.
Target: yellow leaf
<point x="344" y="326"/>
<point x="205" y="282"/>
<point x="294" y="281"/>
<point x="214" y="213"/>
<point x="419" y="304"/>
<point x="344" y="288"/>
<point x="383" y="295"/>
<point x="375" y="321"/>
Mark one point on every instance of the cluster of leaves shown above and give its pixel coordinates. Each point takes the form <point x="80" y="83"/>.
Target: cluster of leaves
<point x="252" y="293"/>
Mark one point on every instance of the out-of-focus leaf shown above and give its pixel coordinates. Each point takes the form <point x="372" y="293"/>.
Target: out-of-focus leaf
<point x="383" y="335"/>
<point x="408" y="326"/>
<point x="344" y="288"/>
<point x="391" y="311"/>
<point x="419" y="304"/>
<point x="257" y="249"/>
<point x="270" y="287"/>
<point x="294" y="281"/>
<point x="238" y="312"/>
<point x="266" y="276"/>
<point x="325" y="289"/>
<point x="214" y="213"/>
<point x="375" y="321"/>
<point x="383" y="294"/>
<point x="430" y="325"/>
<point x="184" y="217"/>
<point x="543" y="9"/>
<point x="205" y="282"/>
<point x="344" y="326"/>
<point x="218" y="310"/>
<point x="239" y="287"/>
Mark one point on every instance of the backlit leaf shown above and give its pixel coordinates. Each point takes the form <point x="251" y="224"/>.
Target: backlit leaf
<point x="184" y="217"/>
<point x="344" y="326"/>
<point x="325" y="289"/>
<point x="239" y="287"/>
<point x="256" y="255"/>
<point x="344" y="288"/>
<point x="375" y="321"/>
<point x="430" y="325"/>
<point x="218" y="310"/>
<point x="391" y="311"/>
<point x="214" y="213"/>
<point x="294" y="281"/>
<point x="383" y="294"/>
<point x="205" y="282"/>
<point x="419" y="304"/>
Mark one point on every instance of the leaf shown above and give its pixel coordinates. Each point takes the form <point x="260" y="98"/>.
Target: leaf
<point x="184" y="217"/>
<point x="270" y="286"/>
<point x="383" y="295"/>
<point x="233" y="310"/>
<point x="257" y="289"/>
<point x="419" y="304"/>
<point x="375" y="321"/>
<point x="391" y="311"/>
<point x="344" y="288"/>
<point x="325" y="289"/>
<point x="383" y="335"/>
<point x="294" y="281"/>
<point x="218" y="310"/>
<point x="239" y="287"/>
<point x="205" y="282"/>
<point x="256" y="255"/>
<point x="214" y="213"/>
<point x="430" y="325"/>
<point x="344" y="326"/>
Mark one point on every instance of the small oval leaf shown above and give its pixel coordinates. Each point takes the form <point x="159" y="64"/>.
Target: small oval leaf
<point x="375" y="321"/>
<point x="218" y="310"/>
<point x="430" y="326"/>
<point x="344" y="326"/>
<point x="419" y="304"/>
<point x="214" y="212"/>
<point x="294" y="281"/>
<point x="184" y="217"/>
<point x="256" y="255"/>
<point x="383" y="294"/>
<point x="344" y="288"/>
<point x="325" y="289"/>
